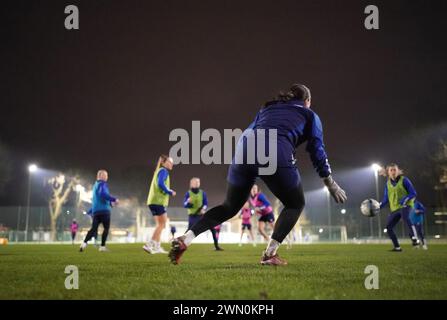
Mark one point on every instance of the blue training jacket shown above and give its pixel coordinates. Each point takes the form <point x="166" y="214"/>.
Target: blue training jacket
<point x="102" y="199"/>
<point x="295" y="125"/>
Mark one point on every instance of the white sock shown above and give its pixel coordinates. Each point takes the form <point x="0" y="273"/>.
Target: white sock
<point x="189" y="236"/>
<point x="151" y="243"/>
<point x="272" y="247"/>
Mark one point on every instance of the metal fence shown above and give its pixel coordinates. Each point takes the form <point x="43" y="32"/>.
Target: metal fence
<point x="20" y="224"/>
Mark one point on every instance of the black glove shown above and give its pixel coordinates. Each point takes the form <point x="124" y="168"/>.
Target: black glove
<point x="337" y="193"/>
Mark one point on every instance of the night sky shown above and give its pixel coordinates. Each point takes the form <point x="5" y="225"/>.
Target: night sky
<point x="107" y="95"/>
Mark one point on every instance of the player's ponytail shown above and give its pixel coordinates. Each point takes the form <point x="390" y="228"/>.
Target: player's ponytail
<point x="296" y="92"/>
<point x="160" y="161"/>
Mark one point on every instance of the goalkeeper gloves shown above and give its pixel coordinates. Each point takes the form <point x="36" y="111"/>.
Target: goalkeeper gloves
<point x="336" y="192"/>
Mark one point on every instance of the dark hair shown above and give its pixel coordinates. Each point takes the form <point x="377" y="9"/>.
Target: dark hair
<point x="297" y="91"/>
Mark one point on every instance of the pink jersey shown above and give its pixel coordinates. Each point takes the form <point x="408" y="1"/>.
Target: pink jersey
<point x="260" y="201"/>
<point x="74" y="227"/>
<point x="246" y="215"/>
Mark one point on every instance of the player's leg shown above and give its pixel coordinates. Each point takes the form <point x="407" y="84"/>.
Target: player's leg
<point x="215" y="235"/>
<point x="252" y="237"/>
<point x="405" y="213"/>
<point x="392" y="220"/>
<point x="235" y="199"/>
<point x="160" y="222"/>
<point x="105" y="220"/>
<point x="240" y="180"/>
<point x="157" y="211"/>
<point x="285" y="184"/>
<point x="261" y="229"/>
<point x="95" y="237"/>
<point x="420" y="233"/>
<point x="242" y="234"/>
<point x="216" y="242"/>
<point x="293" y="201"/>
<point x="93" y="230"/>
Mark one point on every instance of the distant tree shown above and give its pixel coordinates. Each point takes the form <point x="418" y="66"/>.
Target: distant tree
<point x="5" y="166"/>
<point x="61" y="187"/>
<point x="440" y="160"/>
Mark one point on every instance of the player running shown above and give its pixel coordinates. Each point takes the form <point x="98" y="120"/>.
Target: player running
<point x="400" y="194"/>
<point x="417" y="220"/>
<point x="246" y="213"/>
<point x="295" y="123"/>
<point x="74" y="230"/>
<point x="196" y="202"/>
<point x="263" y="209"/>
<point x="102" y="203"/>
<point x="158" y="200"/>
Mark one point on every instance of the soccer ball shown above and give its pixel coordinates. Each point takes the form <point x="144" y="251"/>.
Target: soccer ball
<point x="370" y="207"/>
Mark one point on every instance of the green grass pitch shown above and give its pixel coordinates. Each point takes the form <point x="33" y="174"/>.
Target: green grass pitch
<point x="320" y="271"/>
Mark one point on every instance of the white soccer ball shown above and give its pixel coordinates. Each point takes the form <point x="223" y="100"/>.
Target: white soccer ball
<point x="370" y="207"/>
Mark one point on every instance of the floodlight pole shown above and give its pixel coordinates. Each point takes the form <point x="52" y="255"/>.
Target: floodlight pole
<point x="27" y="206"/>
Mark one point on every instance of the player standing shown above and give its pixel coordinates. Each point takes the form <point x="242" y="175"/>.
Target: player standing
<point x="400" y="194"/>
<point x="246" y="214"/>
<point x="295" y="124"/>
<point x="417" y="220"/>
<point x="102" y="203"/>
<point x="158" y="200"/>
<point x="74" y="230"/>
<point x="263" y="209"/>
<point x="196" y="202"/>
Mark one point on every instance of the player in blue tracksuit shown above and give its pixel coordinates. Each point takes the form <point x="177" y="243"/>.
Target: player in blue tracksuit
<point x="399" y="194"/>
<point x="295" y="123"/>
<point x="102" y="203"/>
<point x="417" y="220"/>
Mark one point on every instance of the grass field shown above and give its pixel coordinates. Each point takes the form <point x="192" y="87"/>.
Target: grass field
<point x="321" y="271"/>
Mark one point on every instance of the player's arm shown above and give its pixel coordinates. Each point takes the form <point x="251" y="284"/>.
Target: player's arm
<point x="186" y="203"/>
<point x="162" y="176"/>
<point x="316" y="149"/>
<point x="105" y="194"/>
<point x="263" y="199"/>
<point x="385" y="197"/>
<point x="204" y="202"/>
<point x="411" y="192"/>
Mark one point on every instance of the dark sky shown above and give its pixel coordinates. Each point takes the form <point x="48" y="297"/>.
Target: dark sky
<point x="108" y="95"/>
